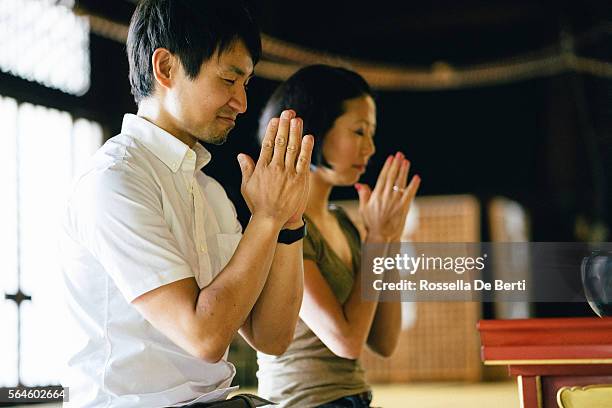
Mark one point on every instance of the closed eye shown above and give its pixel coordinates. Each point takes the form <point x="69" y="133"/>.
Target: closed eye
<point x="233" y="81"/>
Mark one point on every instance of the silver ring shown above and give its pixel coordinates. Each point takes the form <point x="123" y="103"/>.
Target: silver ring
<point x="396" y="188"/>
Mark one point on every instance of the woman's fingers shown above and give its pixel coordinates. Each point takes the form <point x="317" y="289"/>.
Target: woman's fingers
<point x="402" y="175"/>
<point x="410" y="191"/>
<point x="383" y="174"/>
<point x="392" y="174"/>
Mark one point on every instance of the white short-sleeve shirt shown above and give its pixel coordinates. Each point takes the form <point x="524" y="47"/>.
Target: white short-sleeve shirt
<point x="141" y="216"/>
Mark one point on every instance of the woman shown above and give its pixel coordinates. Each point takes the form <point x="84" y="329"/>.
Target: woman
<point x="320" y="368"/>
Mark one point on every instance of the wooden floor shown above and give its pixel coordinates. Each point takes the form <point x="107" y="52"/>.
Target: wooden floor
<point x="456" y="395"/>
<point x="434" y="395"/>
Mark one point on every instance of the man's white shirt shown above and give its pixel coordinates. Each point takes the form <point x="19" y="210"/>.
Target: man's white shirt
<point x="142" y="216"/>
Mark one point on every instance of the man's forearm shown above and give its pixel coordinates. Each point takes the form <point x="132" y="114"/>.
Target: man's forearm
<point x="224" y="305"/>
<point x="275" y="314"/>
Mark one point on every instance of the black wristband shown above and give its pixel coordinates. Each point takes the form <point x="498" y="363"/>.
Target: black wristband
<point x="288" y="237"/>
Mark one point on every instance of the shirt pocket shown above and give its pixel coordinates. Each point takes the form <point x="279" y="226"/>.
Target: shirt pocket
<point x="227" y="243"/>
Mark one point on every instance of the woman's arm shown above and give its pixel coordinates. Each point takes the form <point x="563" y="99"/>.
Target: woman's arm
<point x="342" y="328"/>
<point x="386" y="327"/>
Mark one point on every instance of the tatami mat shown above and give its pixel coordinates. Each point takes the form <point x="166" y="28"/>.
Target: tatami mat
<point x="434" y="395"/>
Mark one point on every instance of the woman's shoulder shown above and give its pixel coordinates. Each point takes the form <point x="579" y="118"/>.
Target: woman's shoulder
<point x="313" y="243"/>
<point x="345" y="220"/>
<point x="339" y="212"/>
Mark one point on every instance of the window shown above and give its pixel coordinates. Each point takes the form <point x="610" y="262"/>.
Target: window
<point x="42" y="150"/>
<point x="45" y="42"/>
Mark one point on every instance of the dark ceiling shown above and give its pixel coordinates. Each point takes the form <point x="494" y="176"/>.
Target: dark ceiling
<point x="417" y="33"/>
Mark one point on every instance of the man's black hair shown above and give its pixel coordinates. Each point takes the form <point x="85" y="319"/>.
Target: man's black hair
<point x="317" y="94"/>
<point x="194" y="30"/>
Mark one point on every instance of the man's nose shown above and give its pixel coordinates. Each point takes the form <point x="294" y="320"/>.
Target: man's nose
<point x="238" y="102"/>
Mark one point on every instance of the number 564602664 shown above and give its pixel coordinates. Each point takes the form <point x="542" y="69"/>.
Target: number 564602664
<point x="33" y="394"/>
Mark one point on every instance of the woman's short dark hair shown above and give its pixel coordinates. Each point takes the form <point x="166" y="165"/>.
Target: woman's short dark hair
<point x="317" y="94"/>
<point x="194" y="30"/>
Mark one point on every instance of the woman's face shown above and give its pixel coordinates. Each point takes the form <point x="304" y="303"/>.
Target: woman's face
<point x="349" y="144"/>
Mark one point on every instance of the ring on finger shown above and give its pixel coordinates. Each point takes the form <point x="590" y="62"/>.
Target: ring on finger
<point x="398" y="189"/>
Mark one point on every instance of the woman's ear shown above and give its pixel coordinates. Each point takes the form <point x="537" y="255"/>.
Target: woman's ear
<point x="164" y="67"/>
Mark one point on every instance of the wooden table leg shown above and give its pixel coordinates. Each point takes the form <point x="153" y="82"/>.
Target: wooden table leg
<point x="530" y="391"/>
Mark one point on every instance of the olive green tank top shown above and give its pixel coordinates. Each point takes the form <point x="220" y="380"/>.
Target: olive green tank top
<point x="308" y="374"/>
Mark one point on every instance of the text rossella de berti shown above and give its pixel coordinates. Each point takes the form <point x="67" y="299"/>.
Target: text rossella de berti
<point x="409" y="266"/>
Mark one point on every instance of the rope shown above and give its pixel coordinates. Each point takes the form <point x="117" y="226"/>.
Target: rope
<point x="281" y="59"/>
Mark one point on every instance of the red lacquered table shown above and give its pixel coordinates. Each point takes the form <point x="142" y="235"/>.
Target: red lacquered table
<point x="558" y="362"/>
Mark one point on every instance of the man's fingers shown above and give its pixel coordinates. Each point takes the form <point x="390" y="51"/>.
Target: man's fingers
<point x="282" y="137"/>
<point x="303" y="161"/>
<point x="246" y="167"/>
<point x="267" y="144"/>
<point x="295" y="139"/>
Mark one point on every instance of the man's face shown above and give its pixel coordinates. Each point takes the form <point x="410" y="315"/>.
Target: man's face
<point x="206" y="107"/>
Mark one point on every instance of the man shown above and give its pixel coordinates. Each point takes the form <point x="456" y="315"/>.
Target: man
<point x="158" y="276"/>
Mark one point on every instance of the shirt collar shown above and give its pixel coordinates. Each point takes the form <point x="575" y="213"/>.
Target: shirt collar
<point x="203" y="156"/>
<point x="167" y="148"/>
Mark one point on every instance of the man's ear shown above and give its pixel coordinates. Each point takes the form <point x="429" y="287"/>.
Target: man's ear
<point x="164" y="65"/>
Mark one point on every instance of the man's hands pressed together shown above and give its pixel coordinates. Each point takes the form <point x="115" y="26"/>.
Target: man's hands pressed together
<point x="277" y="186"/>
<point x="276" y="189"/>
<point x="259" y="292"/>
